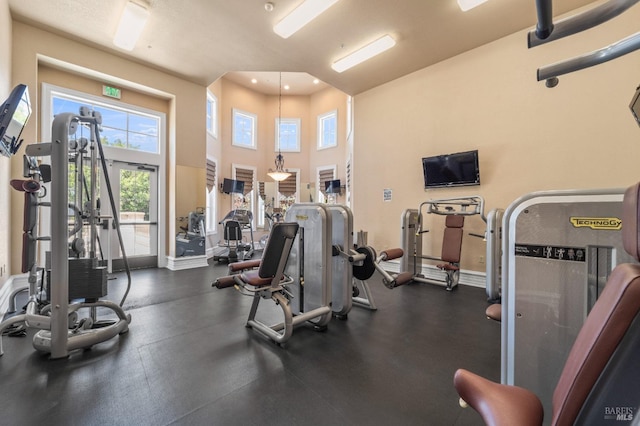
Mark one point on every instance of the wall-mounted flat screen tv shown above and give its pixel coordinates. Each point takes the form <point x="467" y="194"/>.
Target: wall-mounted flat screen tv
<point x="332" y="186"/>
<point x="232" y="186"/>
<point x="458" y="169"/>
<point x="14" y="113"/>
<point x="635" y="105"/>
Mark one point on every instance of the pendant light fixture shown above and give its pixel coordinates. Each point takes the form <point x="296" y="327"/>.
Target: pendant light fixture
<point x="279" y="174"/>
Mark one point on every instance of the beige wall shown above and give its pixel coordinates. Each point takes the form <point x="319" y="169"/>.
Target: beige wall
<point x="578" y="135"/>
<point x="5" y="163"/>
<point x="214" y="148"/>
<point x="186" y="103"/>
<point x="66" y="79"/>
<point x="322" y="102"/>
<point x="307" y="108"/>
<point x="530" y="138"/>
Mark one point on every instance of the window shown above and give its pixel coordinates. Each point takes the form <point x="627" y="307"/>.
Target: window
<point x="211" y="209"/>
<point x="212" y="114"/>
<point x="245" y="201"/>
<point x="288" y="138"/>
<point x="121" y="128"/>
<point x="133" y="139"/>
<point x="328" y="130"/>
<point x="324" y="175"/>
<point x="244" y="129"/>
<point x="288" y="190"/>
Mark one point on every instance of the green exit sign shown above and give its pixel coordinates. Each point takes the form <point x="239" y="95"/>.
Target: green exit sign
<point x="112" y="92"/>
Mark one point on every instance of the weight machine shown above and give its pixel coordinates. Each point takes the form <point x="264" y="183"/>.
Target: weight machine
<point x="317" y="282"/>
<point x="455" y="211"/>
<point x="74" y="278"/>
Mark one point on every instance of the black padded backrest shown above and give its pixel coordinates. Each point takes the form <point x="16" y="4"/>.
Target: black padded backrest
<point x="232" y="230"/>
<point x="278" y="247"/>
<point x="29" y="247"/>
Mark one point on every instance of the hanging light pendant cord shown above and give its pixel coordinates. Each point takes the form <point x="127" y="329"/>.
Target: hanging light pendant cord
<point x="279" y="174"/>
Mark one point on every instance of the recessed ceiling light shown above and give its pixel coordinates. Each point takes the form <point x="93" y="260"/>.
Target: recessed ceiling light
<point x="132" y="22"/>
<point x="316" y="81"/>
<point x="286" y="87"/>
<point x="367" y="52"/>
<point x="301" y="16"/>
<point x="469" y="4"/>
<point x="254" y="81"/>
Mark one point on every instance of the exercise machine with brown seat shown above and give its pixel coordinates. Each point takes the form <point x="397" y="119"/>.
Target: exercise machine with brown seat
<point x="268" y="281"/>
<point x="598" y="383"/>
<point x="414" y="225"/>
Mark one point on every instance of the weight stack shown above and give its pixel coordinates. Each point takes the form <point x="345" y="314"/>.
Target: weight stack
<point x="85" y="281"/>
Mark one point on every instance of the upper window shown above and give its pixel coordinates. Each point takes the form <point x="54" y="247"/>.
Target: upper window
<point x="244" y="129"/>
<point x="121" y="128"/>
<point x="288" y="134"/>
<point x="328" y="130"/>
<point x="212" y="114"/>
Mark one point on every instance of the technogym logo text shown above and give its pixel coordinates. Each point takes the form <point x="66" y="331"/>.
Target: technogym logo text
<point x="602" y="223"/>
<point x="624" y="414"/>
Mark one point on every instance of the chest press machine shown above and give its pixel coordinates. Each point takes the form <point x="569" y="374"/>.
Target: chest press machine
<point x="413" y="222"/>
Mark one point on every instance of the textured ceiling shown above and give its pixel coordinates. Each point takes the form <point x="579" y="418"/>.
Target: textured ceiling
<point x="202" y="40"/>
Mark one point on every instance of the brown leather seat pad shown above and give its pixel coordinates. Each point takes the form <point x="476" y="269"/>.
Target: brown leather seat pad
<point x="252" y="278"/>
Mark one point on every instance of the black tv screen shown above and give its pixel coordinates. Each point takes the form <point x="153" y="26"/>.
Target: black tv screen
<point x="635" y="105"/>
<point x="332" y="186"/>
<point x="458" y="169"/>
<point x="14" y="114"/>
<point x="231" y="186"/>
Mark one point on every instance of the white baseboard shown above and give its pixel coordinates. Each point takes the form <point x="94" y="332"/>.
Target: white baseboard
<point x="186" y="262"/>
<point x="470" y="278"/>
<point x="14" y="283"/>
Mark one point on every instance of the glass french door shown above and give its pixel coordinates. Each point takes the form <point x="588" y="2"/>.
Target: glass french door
<point x="135" y="193"/>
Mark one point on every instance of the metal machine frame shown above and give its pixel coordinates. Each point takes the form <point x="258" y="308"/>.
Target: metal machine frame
<point x="233" y="249"/>
<point x="412" y="240"/>
<point x="60" y="332"/>
<point x="559" y="247"/>
<point x="411" y="223"/>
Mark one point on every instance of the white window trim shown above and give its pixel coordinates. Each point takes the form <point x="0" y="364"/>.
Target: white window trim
<point x="254" y="128"/>
<point x="112" y="153"/>
<point x="117" y="154"/>
<point x="295" y="121"/>
<point x="321" y="119"/>
<point x="349" y="126"/>
<point x="212" y="225"/>
<point x="212" y="121"/>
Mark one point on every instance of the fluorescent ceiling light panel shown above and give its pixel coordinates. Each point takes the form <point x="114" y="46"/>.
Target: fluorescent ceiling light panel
<point x="369" y="51"/>
<point x="132" y="22"/>
<point x="301" y="16"/>
<point x="469" y="4"/>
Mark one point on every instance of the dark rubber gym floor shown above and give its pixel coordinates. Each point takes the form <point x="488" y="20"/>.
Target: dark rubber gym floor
<point x="189" y="360"/>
